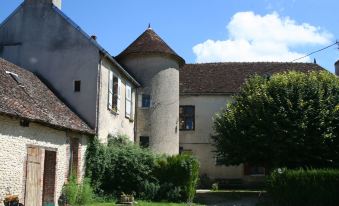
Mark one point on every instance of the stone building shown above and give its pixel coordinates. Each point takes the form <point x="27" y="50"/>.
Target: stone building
<point x="147" y="91"/>
<point x="41" y="140"/>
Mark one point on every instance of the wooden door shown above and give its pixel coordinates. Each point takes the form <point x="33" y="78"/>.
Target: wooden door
<point x="33" y="177"/>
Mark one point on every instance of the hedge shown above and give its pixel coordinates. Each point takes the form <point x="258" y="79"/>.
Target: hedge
<point x="311" y="187"/>
<point x="122" y="167"/>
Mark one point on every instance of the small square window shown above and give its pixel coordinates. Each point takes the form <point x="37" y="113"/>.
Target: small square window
<point x="146" y="100"/>
<point x="24" y="123"/>
<point x="77" y="86"/>
<point x="144" y="141"/>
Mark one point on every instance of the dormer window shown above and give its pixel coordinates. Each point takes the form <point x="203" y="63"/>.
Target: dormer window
<point x="16" y="78"/>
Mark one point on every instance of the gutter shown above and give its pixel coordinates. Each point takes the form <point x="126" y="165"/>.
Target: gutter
<point x="54" y="126"/>
<point x="206" y="93"/>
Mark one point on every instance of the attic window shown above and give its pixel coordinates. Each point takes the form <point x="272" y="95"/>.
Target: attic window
<point x="15" y="78"/>
<point x="77" y="85"/>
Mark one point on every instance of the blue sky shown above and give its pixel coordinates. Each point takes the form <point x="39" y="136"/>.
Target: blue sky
<point x="213" y="30"/>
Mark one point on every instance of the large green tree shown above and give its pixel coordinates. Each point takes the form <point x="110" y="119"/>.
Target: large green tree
<point x="286" y="120"/>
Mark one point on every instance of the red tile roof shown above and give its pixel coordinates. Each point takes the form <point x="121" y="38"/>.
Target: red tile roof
<point x="25" y="96"/>
<point x="150" y="43"/>
<point x="228" y="77"/>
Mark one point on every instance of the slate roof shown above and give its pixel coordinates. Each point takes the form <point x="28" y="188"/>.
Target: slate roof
<point x="227" y="77"/>
<point x="150" y="42"/>
<point x="25" y="96"/>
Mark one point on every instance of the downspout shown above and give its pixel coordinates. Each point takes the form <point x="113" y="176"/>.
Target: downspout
<point x="136" y="114"/>
<point x="98" y="96"/>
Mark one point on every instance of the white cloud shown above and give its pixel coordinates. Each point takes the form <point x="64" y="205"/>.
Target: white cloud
<point x="261" y="38"/>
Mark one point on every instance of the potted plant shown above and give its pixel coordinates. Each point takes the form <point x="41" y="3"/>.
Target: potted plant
<point x="11" y="200"/>
<point x="126" y="199"/>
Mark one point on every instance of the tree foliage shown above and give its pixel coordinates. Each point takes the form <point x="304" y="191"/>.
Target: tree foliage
<point x="287" y="120"/>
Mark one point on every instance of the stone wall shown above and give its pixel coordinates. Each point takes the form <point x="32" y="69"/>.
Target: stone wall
<point x="14" y="140"/>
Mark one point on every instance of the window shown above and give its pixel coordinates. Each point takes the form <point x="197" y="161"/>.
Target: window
<point x="77" y="86"/>
<point x="254" y="170"/>
<point x="144" y="141"/>
<point x="218" y="161"/>
<point x="257" y="171"/>
<point x="146" y="100"/>
<point x="128" y="101"/>
<point x="187" y="117"/>
<point x="114" y="92"/>
<point x="24" y="123"/>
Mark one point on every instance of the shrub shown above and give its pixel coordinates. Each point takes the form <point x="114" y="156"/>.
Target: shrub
<point x="128" y="168"/>
<point x="96" y="164"/>
<point x="85" y="192"/>
<point x="78" y="194"/>
<point x="181" y="172"/>
<point x="310" y="187"/>
<point x="71" y="190"/>
<point x="122" y="167"/>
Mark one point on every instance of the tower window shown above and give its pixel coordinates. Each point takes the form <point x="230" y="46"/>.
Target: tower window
<point x="146" y="100"/>
<point x="187" y="117"/>
<point x="77" y="85"/>
<point x="144" y="141"/>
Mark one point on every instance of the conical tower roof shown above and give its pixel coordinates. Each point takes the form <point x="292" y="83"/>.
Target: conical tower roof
<point x="150" y="42"/>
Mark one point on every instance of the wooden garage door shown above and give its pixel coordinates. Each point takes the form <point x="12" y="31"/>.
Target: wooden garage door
<point x="33" y="177"/>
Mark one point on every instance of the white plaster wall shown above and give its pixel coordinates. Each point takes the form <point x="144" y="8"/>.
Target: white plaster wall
<point x="199" y="140"/>
<point x="13" y="152"/>
<point x="109" y="122"/>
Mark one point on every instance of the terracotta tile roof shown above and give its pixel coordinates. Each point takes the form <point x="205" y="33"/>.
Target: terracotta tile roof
<point x="25" y="96"/>
<point x="147" y="43"/>
<point x="229" y="76"/>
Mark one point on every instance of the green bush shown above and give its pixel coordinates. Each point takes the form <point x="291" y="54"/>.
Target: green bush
<point x="122" y="167"/>
<point x="71" y="190"/>
<point x="78" y="194"/>
<point x="128" y="168"/>
<point x="181" y="172"/>
<point x="311" y="187"/>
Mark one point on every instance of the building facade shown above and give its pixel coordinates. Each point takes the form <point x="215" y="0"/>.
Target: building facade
<point x="42" y="142"/>
<point x="147" y="92"/>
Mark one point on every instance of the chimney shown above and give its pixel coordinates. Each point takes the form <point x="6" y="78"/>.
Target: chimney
<point x="94" y="37"/>
<point x="337" y="68"/>
<point x="56" y="3"/>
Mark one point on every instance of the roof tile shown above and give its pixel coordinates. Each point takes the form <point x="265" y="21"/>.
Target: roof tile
<point x="148" y="43"/>
<point x="33" y="100"/>
<point x="227" y="77"/>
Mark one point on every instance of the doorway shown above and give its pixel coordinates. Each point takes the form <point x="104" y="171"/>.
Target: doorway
<point x="40" y="177"/>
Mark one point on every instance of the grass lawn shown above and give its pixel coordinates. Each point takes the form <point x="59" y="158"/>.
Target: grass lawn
<point x="142" y="203"/>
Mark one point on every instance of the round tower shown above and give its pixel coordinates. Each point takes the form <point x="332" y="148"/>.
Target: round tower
<point x="156" y="66"/>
